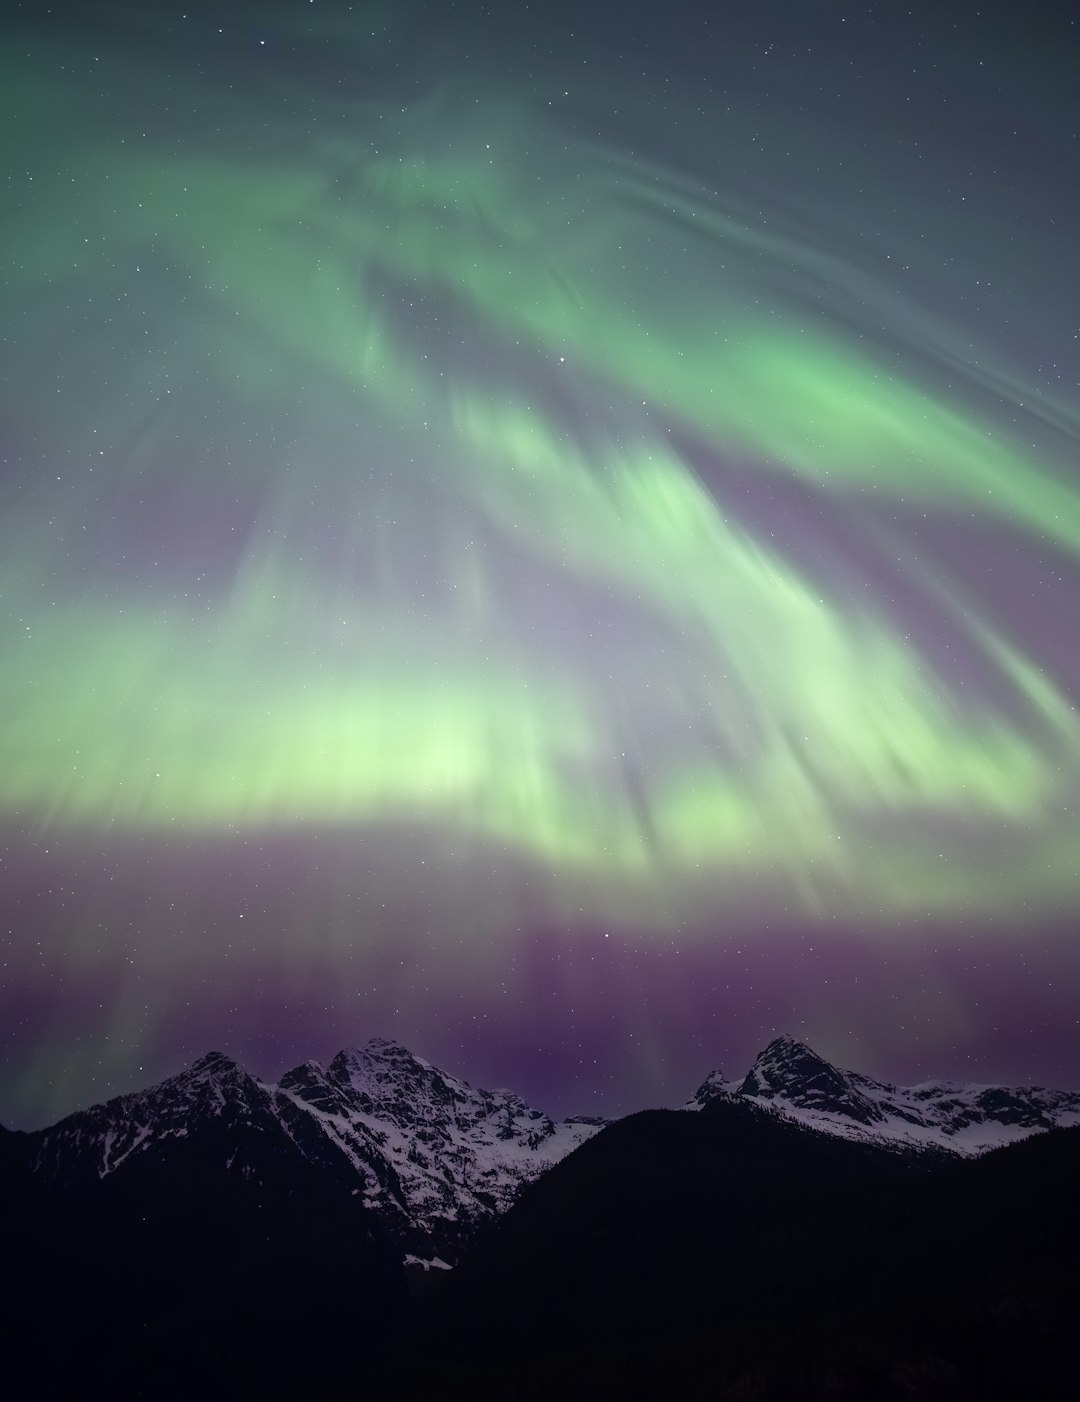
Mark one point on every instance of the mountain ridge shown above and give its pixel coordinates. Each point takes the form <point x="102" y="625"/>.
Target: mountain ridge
<point x="315" y="1216"/>
<point x="429" y="1154"/>
<point x="945" y="1116"/>
<point x="435" y="1158"/>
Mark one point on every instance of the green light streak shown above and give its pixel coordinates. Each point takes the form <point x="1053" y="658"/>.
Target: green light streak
<point x="793" y="713"/>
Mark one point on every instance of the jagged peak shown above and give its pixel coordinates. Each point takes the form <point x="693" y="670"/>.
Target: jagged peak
<point x="781" y="1053"/>
<point x="391" y="1048"/>
<point x="793" y="1071"/>
<point x="787" y="1059"/>
<point x="212" y="1061"/>
<point x="785" y="1047"/>
<point x="782" y="1050"/>
<point x="307" y="1070"/>
<point x="714" y="1085"/>
<point x="381" y="1049"/>
<point x="382" y="1064"/>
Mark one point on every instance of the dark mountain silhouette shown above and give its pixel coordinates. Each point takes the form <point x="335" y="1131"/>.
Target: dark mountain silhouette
<point x="217" y="1234"/>
<point x="735" y="1255"/>
<point x="174" y="1277"/>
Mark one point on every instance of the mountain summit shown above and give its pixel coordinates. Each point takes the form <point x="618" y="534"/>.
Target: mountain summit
<point x="432" y="1157"/>
<point x="268" y="1237"/>
<point x="791" y="1079"/>
<point x="790" y="1071"/>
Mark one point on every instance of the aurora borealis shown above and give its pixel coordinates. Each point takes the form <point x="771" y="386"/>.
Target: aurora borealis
<point x="554" y="536"/>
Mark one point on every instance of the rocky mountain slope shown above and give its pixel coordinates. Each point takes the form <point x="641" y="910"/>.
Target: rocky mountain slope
<point x="430" y="1155"/>
<point x="433" y="1158"/>
<point x="791" y="1079"/>
<point x="804" y="1231"/>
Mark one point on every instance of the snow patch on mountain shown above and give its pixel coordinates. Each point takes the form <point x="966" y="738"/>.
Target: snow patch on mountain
<point x="434" y="1158"/>
<point x="793" y="1080"/>
<point x="432" y="1155"/>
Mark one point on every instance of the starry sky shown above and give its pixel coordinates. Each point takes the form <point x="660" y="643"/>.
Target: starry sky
<point x="549" y="532"/>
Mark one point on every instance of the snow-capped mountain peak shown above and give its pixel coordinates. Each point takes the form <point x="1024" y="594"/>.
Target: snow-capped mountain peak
<point x="791" y="1072"/>
<point x="433" y="1157"/>
<point x="430" y="1154"/>
<point x="793" y="1080"/>
<point x="714" y="1084"/>
<point x="209" y="1063"/>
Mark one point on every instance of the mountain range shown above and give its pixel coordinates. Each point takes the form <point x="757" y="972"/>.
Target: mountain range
<point x="434" y="1159"/>
<point x="426" y="1154"/>
<point x="944" y="1116"/>
<point x="283" y="1235"/>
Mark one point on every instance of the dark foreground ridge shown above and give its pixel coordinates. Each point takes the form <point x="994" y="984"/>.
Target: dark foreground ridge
<point x="802" y="1232"/>
<point x="733" y="1255"/>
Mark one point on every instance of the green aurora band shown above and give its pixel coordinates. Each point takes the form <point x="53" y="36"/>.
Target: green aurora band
<point x="456" y="358"/>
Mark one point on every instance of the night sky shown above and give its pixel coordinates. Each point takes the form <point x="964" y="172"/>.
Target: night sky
<point x="549" y="532"/>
